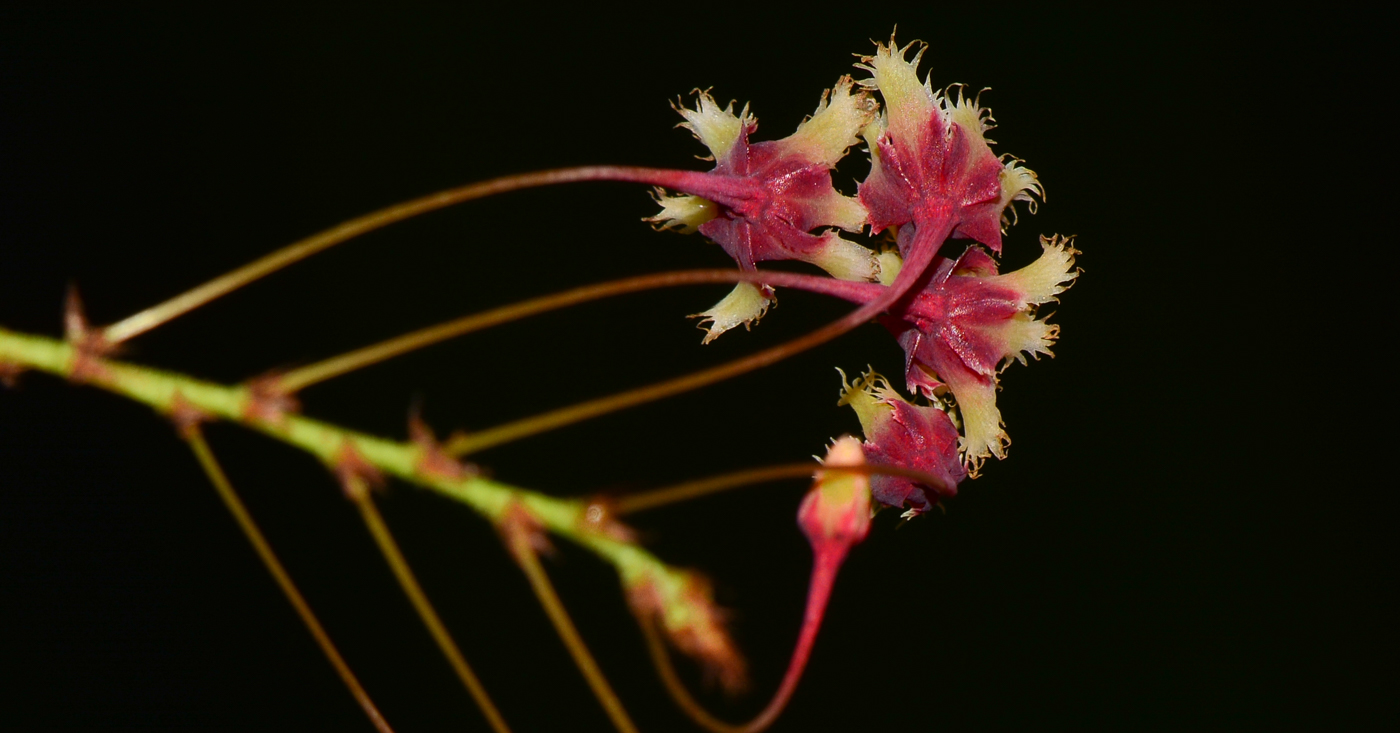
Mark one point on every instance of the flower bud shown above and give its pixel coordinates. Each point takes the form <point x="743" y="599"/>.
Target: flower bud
<point x="835" y="515"/>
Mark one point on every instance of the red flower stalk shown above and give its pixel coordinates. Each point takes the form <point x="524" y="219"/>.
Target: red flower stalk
<point x="835" y="516"/>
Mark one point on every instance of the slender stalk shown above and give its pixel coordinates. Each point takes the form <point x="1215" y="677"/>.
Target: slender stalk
<point x="685" y="491"/>
<point x="912" y="273"/>
<point x="819" y="592"/>
<point x="534" y="425"/>
<point x="139" y="323"/>
<point x="359" y="493"/>
<point x="299" y="379"/>
<point x="168" y="392"/>
<point x="642" y="501"/>
<point x="195" y="438"/>
<point x="519" y="539"/>
<point x="661" y="659"/>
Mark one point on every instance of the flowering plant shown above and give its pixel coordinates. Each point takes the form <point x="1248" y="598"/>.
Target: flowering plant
<point x="933" y="179"/>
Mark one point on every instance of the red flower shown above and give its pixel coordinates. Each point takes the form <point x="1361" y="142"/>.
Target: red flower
<point x="905" y="435"/>
<point x="763" y="200"/>
<point x="930" y="166"/>
<point x="968" y="322"/>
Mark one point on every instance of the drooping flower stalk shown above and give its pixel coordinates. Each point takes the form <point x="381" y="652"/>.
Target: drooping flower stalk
<point x="524" y="540"/>
<point x="145" y="320"/>
<point x="149" y="318"/>
<point x="303" y="377"/>
<point x="685" y="491"/>
<point x="194" y="436"/>
<point x="358" y="490"/>
<point x="835" y="516"/>
<point x="554" y="419"/>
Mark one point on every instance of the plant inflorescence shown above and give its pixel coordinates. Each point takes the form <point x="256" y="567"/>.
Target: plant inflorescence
<point x="935" y="203"/>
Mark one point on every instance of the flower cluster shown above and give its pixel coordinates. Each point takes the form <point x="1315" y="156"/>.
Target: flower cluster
<point x="933" y="178"/>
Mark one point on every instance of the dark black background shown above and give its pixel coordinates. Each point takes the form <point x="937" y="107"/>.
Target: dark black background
<point x="1173" y="543"/>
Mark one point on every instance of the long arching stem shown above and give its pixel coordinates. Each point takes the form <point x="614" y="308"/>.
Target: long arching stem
<point x="139" y="323"/>
<point x="685" y="491"/>
<point x="169" y="392"/>
<point x="299" y="379"/>
<point x="922" y="251"/>
<point x="642" y="501"/>
<point x="195" y="438"/>
<point x="561" y="417"/>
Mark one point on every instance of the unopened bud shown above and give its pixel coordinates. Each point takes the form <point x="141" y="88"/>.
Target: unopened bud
<point x="835" y="515"/>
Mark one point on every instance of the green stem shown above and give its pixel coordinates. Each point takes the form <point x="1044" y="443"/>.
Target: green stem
<point x="167" y="391"/>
